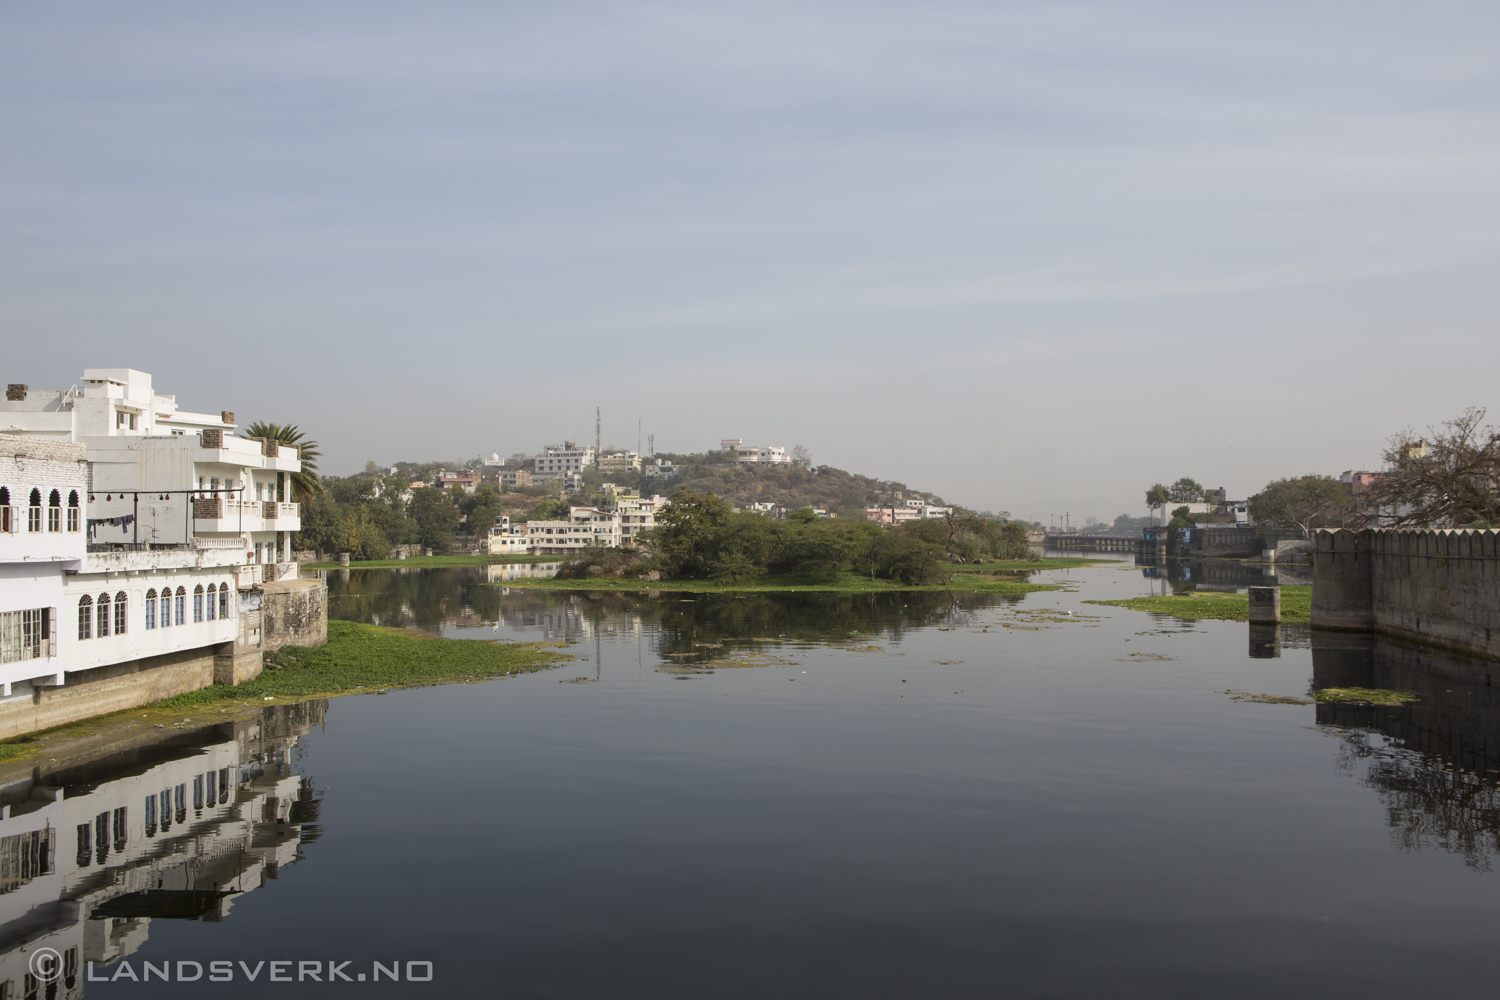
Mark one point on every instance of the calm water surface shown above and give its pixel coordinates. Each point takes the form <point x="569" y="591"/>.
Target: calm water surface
<point x="922" y="795"/>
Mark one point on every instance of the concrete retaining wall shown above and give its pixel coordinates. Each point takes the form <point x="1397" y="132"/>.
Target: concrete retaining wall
<point x="293" y="613"/>
<point x="1435" y="586"/>
<point x="115" y="688"/>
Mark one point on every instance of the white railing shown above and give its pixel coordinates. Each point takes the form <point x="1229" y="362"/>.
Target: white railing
<point x="200" y="542"/>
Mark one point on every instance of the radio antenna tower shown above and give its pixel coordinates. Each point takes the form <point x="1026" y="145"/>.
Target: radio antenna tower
<point x="596" y="433"/>
<point x="651" y="441"/>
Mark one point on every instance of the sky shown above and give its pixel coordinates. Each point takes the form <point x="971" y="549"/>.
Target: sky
<point x="1030" y="256"/>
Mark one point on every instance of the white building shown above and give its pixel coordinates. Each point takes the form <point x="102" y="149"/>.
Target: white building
<point x="557" y="461"/>
<point x="755" y="453"/>
<point x="586" y="527"/>
<point x="139" y="539"/>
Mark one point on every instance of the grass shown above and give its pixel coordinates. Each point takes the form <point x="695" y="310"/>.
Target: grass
<point x="368" y="658"/>
<point x="844" y="583"/>
<point x="358" y="659"/>
<point x="1296" y="605"/>
<point x="1365" y="696"/>
<point x="435" y="562"/>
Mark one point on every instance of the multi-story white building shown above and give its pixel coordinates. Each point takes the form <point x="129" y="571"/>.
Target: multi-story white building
<point x="557" y="461"/>
<point x="139" y="540"/>
<point x="755" y="453"/>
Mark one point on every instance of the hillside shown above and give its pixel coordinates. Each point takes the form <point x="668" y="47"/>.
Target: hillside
<point x="844" y="493"/>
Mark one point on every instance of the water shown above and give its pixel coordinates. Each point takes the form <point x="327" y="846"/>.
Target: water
<point x="812" y="795"/>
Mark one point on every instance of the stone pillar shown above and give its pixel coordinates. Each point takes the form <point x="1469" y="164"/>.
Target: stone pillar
<point x="1265" y="604"/>
<point x="343" y="559"/>
<point x="1342" y="593"/>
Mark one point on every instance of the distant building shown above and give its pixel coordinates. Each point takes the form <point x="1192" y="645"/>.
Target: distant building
<point x="755" y="453"/>
<point x="893" y="514"/>
<point x="513" y="477"/>
<point x="557" y="461"/>
<point x="457" y="482"/>
<point x="620" y="461"/>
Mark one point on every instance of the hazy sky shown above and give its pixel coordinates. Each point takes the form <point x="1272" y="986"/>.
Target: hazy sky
<point x="1032" y="256"/>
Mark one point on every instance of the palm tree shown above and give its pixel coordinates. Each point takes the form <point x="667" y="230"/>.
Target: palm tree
<point x="306" y="482"/>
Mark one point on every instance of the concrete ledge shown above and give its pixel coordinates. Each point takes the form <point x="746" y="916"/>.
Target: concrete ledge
<point x="293" y="613"/>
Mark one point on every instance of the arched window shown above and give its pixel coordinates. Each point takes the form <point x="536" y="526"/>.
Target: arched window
<point x="151" y="614"/>
<point x="224" y="600"/>
<point x="213" y="591"/>
<point x="85" y="617"/>
<point x="181" y="618"/>
<point x="34" y="512"/>
<point x="73" y="510"/>
<point x="164" y="608"/>
<point x="122" y="606"/>
<point x="166" y="809"/>
<point x="102" y="616"/>
<point x="54" y="511"/>
<point x="198" y="603"/>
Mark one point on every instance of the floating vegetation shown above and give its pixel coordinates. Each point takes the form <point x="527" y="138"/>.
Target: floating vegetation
<point x="1265" y="699"/>
<point x="1144" y="658"/>
<point x="1296" y="604"/>
<point x="1365" y="696"/>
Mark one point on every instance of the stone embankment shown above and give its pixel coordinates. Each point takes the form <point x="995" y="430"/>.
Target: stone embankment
<point x="1431" y="586"/>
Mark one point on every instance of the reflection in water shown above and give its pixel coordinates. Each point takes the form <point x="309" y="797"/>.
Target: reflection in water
<point x="91" y="851"/>
<point x="700" y="627"/>
<point x="1433" y="762"/>
<point x="1177" y="576"/>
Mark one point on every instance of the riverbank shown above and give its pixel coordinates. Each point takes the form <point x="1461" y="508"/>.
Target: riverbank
<point x="358" y="659"/>
<point x="844" y="583"/>
<point x="434" y="562"/>
<point x="1296" y="605"/>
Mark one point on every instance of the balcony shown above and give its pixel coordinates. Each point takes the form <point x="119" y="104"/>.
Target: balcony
<point x="125" y="557"/>
<point x="223" y="514"/>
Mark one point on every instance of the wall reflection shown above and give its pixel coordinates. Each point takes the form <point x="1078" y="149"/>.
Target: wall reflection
<point x="1435" y="762"/>
<point x="92" y="850"/>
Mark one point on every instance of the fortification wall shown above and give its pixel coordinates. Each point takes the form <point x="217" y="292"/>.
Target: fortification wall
<point x="1434" y="586"/>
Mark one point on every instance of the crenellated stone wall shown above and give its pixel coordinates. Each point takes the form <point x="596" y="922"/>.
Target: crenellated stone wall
<point x="1434" y="586"/>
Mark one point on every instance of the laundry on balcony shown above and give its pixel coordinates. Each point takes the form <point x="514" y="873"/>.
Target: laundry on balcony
<point x="123" y="522"/>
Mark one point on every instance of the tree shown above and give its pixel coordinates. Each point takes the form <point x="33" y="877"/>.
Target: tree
<point x="1450" y="479"/>
<point x="435" y="515"/>
<point x="685" y="528"/>
<point x="1157" y="497"/>
<point x="305" y="483"/>
<point x="801" y="457"/>
<point x="550" y="509"/>
<point x="1298" y="502"/>
<point x="1186" y="490"/>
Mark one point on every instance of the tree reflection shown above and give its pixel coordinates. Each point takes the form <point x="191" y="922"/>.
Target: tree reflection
<point x="1433" y="762"/>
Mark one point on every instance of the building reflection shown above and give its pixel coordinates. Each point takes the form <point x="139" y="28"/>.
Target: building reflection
<point x="1433" y="762"/>
<point x="91" y="851"/>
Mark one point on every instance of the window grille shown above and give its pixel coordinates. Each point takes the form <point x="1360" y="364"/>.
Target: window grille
<point x="198" y="603"/>
<point x="181" y="617"/>
<point x="151" y="611"/>
<point x="85" y="617"/>
<point x="121" y="612"/>
<point x="102" y="616"/>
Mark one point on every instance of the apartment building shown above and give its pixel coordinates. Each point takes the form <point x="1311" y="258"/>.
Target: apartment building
<point x="620" y="461"/>
<point x="557" y="461"/>
<point x="139" y="545"/>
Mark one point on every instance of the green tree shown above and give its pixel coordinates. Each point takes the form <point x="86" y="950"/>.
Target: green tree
<point x="436" y="517"/>
<point x="305" y="483"/>
<point x="550" y="509"/>
<point x="684" y="531"/>
<point x="1158" y="496"/>
<point x="1186" y="490"/>
<point x="1301" y="503"/>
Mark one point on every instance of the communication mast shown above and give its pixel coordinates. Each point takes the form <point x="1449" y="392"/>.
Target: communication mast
<point x="651" y="441"/>
<point x="596" y="434"/>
